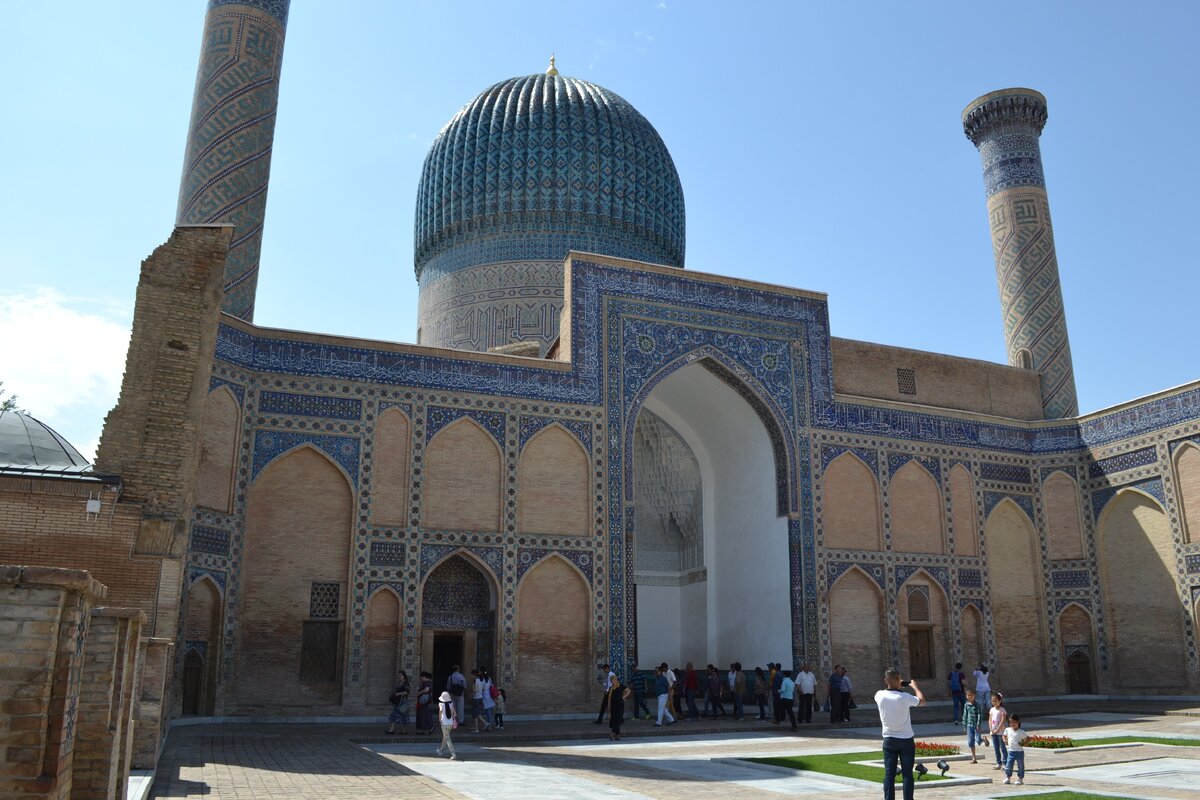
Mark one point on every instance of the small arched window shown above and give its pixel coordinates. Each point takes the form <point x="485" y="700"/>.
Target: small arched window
<point x="1024" y="359"/>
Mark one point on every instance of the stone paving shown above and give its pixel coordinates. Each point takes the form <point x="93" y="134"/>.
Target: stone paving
<point x="696" y="761"/>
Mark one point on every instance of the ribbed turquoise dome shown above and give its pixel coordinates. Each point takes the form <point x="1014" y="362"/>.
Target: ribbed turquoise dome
<point x="542" y="164"/>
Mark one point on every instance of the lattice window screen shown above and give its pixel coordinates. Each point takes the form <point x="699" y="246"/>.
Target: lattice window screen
<point x="906" y="380"/>
<point x="323" y="601"/>
<point x="918" y="604"/>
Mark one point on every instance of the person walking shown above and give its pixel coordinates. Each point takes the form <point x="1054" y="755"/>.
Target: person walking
<point x="895" y="717"/>
<point x="477" y="691"/>
<point x="616" y="710"/>
<point x="958" y="690"/>
<point x="399" y="701"/>
<point x="425" y="703"/>
<point x="983" y="684"/>
<point x="997" y="722"/>
<point x="489" y="698"/>
<point x="787" y="696"/>
<point x="835" y="695"/>
<point x="806" y="685"/>
<point x="1014" y="738"/>
<point x="847" y="694"/>
<point x="776" y="685"/>
<point x="606" y="678"/>
<point x="662" y="689"/>
<point x="637" y="682"/>
<point x="714" y="692"/>
<point x="760" y="692"/>
<point x="456" y="685"/>
<point x="448" y="716"/>
<point x="971" y="716"/>
<point x="737" y="684"/>
<point x="500" y="699"/>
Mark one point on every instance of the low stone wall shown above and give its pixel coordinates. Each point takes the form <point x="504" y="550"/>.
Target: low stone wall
<point x="45" y="615"/>
<point x="103" y="742"/>
<point x="150" y="706"/>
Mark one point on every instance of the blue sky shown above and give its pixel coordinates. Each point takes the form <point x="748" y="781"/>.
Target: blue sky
<point x="819" y="146"/>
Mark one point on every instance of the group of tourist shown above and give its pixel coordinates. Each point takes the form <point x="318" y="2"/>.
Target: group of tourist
<point x="487" y="705"/>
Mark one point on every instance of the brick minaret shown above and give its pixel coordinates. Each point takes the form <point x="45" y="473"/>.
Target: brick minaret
<point x="228" y="160"/>
<point x="1005" y="126"/>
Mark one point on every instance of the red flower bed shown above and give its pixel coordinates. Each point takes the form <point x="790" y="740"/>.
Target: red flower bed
<point x="935" y="749"/>
<point x="1049" y="742"/>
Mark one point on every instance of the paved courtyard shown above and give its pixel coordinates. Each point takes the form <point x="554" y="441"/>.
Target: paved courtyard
<point x="544" y="760"/>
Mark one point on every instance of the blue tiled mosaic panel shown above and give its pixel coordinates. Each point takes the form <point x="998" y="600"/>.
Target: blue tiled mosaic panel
<point x="440" y="416"/>
<point x="831" y="452"/>
<point x="835" y="570"/>
<point x="1070" y="579"/>
<point x="1124" y="461"/>
<point x="580" y="429"/>
<point x="268" y="444"/>
<point x="970" y="578"/>
<point x="387" y="554"/>
<point x="898" y="460"/>
<point x="309" y="405"/>
<point x="433" y="553"/>
<point x="1100" y="497"/>
<point x="1006" y="473"/>
<point x="457" y="596"/>
<point x="1193" y="562"/>
<point x="238" y="390"/>
<point x="939" y="574"/>
<point x="276" y="8"/>
<point x="529" y="557"/>
<point x="196" y="573"/>
<point x="210" y="540"/>
<point x="992" y="499"/>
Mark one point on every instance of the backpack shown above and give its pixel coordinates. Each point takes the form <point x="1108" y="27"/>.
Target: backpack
<point x="494" y="692"/>
<point x="456" y="689"/>
<point x="956" y="681"/>
<point x="394" y="698"/>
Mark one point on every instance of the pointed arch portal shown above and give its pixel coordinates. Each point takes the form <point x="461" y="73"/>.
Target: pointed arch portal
<point x="723" y="473"/>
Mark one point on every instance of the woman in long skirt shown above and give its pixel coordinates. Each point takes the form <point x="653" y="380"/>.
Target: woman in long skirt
<point x="425" y="704"/>
<point x="616" y="709"/>
<point x="399" y="698"/>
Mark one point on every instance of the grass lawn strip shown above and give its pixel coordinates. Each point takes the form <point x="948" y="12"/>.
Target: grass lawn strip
<point x="1163" y="740"/>
<point x="838" y="764"/>
<point x="1075" y="796"/>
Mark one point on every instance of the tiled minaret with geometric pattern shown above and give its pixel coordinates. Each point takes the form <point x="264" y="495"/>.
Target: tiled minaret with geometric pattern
<point x="228" y="160"/>
<point x="1005" y="126"/>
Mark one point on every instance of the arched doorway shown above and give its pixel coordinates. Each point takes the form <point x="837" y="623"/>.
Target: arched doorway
<point x="711" y="551"/>
<point x="458" y="618"/>
<point x="1079" y="673"/>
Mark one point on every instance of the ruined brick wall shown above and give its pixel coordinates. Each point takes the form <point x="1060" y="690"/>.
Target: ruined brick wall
<point x="151" y="437"/>
<point x="44" y="618"/>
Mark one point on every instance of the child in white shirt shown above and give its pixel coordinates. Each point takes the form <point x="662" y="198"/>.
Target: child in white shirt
<point x="1014" y="736"/>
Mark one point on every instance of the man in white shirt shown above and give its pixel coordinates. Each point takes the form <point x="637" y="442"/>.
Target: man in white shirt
<point x="895" y="708"/>
<point x="806" y="687"/>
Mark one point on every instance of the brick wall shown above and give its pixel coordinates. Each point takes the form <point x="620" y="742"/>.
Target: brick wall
<point x="916" y="505"/>
<point x="1187" y="471"/>
<point x="1064" y="533"/>
<point x="963" y="512"/>
<point x="393" y="448"/>
<point x="851" y="506"/>
<point x="553" y="641"/>
<point x="554" y="485"/>
<point x="1017" y="610"/>
<point x="104" y="724"/>
<point x="462" y="480"/>
<point x="44" y="618"/>
<point x="219" y="433"/>
<point x="856" y="627"/>
<point x="150" y="706"/>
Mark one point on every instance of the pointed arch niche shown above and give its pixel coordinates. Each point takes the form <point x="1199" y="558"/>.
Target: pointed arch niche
<point x="851" y="505"/>
<point x="385" y="614"/>
<point x="295" y="567"/>
<point x="554" y="642"/>
<point x="1078" y="647"/>
<point x="962" y="510"/>
<point x="1137" y="561"/>
<point x="392" y="462"/>
<point x="1015" y="576"/>
<point x="1187" y="486"/>
<point x="462" y="479"/>
<point x="695" y="608"/>
<point x="219" y="433"/>
<point x="857" y="626"/>
<point x="202" y="635"/>
<point x="925" y="640"/>
<point x="554" y="485"/>
<point x="974" y="650"/>
<point x="916" y="505"/>
<point x="458" y="616"/>
<point x="1064" y="529"/>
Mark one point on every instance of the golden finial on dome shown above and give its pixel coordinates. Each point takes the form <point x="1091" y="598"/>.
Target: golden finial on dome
<point x="551" y="70"/>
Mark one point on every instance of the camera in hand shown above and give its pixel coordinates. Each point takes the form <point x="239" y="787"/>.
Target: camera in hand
<point x="905" y="683"/>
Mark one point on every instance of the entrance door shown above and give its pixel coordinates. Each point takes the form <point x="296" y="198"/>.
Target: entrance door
<point x="447" y="653"/>
<point x="1079" y="673"/>
<point x="193" y="680"/>
<point x="920" y="652"/>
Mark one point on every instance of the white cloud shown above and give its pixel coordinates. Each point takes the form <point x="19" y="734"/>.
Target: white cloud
<point x="64" y="357"/>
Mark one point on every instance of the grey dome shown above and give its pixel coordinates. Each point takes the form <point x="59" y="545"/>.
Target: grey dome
<point x="29" y="444"/>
